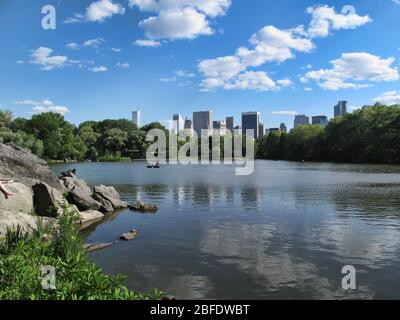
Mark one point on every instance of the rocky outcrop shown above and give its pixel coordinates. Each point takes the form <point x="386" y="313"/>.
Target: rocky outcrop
<point x="48" y="201"/>
<point x="10" y="220"/>
<point x="140" y="206"/>
<point x="131" y="235"/>
<point x="20" y="201"/>
<point x="22" y="166"/>
<point x="96" y="247"/>
<point x="89" y="217"/>
<point x="109" y="197"/>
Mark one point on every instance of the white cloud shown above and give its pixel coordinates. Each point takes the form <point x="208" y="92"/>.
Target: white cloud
<point x="123" y="65"/>
<point x="45" y="105"/>
<point x="98" y="69"/>
<point x="308" y="89"/>
<point x="95" y="43"/>
<point x="251" y="80"/>
<point x="284" y="113"/>
<point x="325" y="18"/>
<point x="97" y="12"/>
<point x="72" y="46"/>
<point x="389" y="98"/>
<point x="180" y="19"/>
<point x="173" y="79"/>
<point x="354" y="71"/>
<point x="184" y="74"/>
<point x="118" y="50"/>
<point x="43" y="57"/>
<point x="285" y="82"/>
<point x="147" y="43"/>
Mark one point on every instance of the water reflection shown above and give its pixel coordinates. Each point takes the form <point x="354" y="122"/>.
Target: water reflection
<point x="285" y="232"/>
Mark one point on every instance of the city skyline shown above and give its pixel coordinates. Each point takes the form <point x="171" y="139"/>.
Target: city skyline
<point x="84" y="71"/>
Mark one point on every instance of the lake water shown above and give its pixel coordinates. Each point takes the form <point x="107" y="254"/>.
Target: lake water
<point x="283" y="233"/>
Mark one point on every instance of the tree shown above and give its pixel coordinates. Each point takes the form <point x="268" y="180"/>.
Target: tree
<point x="5" y="118"/>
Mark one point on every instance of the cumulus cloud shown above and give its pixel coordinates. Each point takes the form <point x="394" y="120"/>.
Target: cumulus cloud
<point x="325" y="19"/>
<point x="353" y="71"/>
<point x="285" y="82"/>
<point x="95" y="43"/>
<point x="72" y="46"/>
<point x="389" y="98"/>
<point x="184" y="74"/>
<point x="273" y="45"/>
<point x="98" y="69"/>
<point x="117" y="50"/>
<point x="97" y="12"/>
<point x="147" y="43"/>
<point x="123" y="65"/>
<point x="43" y="57"/>
<point x="182" y="19"/>
<point x="44" y="105"/>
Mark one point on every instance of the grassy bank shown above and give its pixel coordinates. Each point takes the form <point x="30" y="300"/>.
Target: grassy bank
<point x="77" y="278"/>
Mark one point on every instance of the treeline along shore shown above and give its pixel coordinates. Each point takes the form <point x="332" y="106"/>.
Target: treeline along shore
<point x="368" y="135"/>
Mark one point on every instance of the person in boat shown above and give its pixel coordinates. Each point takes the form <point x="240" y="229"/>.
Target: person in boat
<point x="3" y="188"/>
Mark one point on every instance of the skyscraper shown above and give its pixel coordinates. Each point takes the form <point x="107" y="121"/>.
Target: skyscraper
<point x="136" y="118"/>
<point x="321" y="120"/>
<point x="251" y="121"/>
<point x="283" y="128"/>
<point x="220" y="126"/>
<point x="188" y="125"/>
<point x="178" y="123"/>
<point x="202" y="120"/>
<point x="340" y="109"/>
<point x="230" y="123"/>
<point x="261" y="130"/>
<point x="300" y="120"/>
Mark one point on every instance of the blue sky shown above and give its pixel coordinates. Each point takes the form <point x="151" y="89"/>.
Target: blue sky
<point x="106" y="58"/>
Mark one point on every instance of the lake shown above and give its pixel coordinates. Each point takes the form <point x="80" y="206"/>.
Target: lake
<point x="284" y="232"/>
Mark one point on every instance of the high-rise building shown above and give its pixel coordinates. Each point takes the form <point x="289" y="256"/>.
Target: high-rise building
<point x="283" y="128"/>
<point x="321" y="120"/>
<point x="136" y="118"/>
<point x="251" y="121"/>
<point x="261" y="130"/>
<point x="230" y="123"/>
<point x="202" y="120"/>
<point x="188" y="125"/>
<point x="301" y="120"/>
<point x="178" y="123"/>
<point x="220" y="126"/>
<point x="340" y="109"/>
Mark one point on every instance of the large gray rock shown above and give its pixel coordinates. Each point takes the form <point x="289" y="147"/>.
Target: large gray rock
<point x="89" y="217"/>
<point x="83" y="200"/>
<point x="11" y="220"/>
<point x="110" y="195"/>
<point x="48" y="201"/>
<point x="106" y="206"/>
<point x="21" y="165"/>
<point x="72" y="183"/>
<point x="20" y="201"/>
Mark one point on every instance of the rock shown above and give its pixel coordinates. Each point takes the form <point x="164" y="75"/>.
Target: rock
<point x="131" y="235"/>
<point x="22" y="166"/>
<point x="83" y="200"/>
<point x="142" y="207"/>
<point x="75" y="183"/>
<point x="89" y="217"/>
<point x="9" y="219"/>
<point x="48" y="201"/>
<point x="111" y="195"/>
<point x="96" y="247"/>
<point x="69" y="173"/>
<point x="106" y="206"/>
<point x="20" y="201"/>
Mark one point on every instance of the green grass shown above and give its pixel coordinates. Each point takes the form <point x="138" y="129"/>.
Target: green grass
<point x="23" y="255"/>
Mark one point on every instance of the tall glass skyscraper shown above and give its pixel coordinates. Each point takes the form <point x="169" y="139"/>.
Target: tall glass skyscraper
<point x="251" y="121"/>
<point x="136" y="118"/>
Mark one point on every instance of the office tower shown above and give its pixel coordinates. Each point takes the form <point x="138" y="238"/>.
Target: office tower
<point x="136" y="118"/>
<point x="188" y="125"/>
<point x="301" y="120"/>
<point x="321" y="120"/>
<point x="230" y="123"/>
<point x="220" y="126"/>
<point x="202" y="120"/>
<point x="283" y="128"/>
<point x="261" y="130"/>
<point x="340" y="109"/>
<point x="178" y="123"/>
<point x="251" y="121"/>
